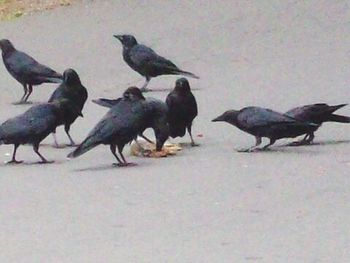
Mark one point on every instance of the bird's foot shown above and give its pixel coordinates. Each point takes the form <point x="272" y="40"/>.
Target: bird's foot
<point x="145" y="90"/>
<point x="299" y="143"/>
<point x="45" y="162"/>
<point x="57" y="146"/>
<point x="71" y="145"/>
<point x="124" y="164"/>
<point x="193" y="144"/>
<point x="21" y="102"/>
<point x="249" y="150"/>
<point x="14" y="162"/>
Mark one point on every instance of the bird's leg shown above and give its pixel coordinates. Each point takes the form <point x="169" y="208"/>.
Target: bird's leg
<point x="311" y="138"/>
<point x="272" y="141"/>
<point x="146" y="139"/>
<point x="30" y="90"/>
<point x="113" y="150"/>
<point x="189" y="129"/>
<point x="305" y="141"/>
<point x="143" y="88"/>
<point x="125" y="163"/>
<point x="25" y="93"/>
<point x="66" y="129"/>
<point x="13" y="160"/>
<point x="253" y="148"/>
<point x="55" y="139"/>
<point x="36" y="150"/>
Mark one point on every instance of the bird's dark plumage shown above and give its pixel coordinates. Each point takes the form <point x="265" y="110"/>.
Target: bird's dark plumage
<point x="32" y="126"/>
<point x="182" y="107"/>
<point x="118" y="127"/>
<point x="262" y="122"/>
<point x="316" y="113"/>
<point x="72" y="90"/>
<point x="26" y="69"/>
<point x="146" y="62"/>
<point x="156" y="117"/>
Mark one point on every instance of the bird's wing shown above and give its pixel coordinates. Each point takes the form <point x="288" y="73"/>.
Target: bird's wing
<point x="33" y="122"/>
<point x="143" y="56"/>
<point x="22" y="64"/>
<point x="257" y="117"/>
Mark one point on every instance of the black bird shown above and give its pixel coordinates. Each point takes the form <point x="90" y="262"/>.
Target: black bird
<point x="118" y="127"/>
<point x="182" y="108"/>
<point x="72" y="90"/>
<point x="316" y="113"/>
<point x="157" y="111"/>
<point x="25" y="69"/>
<point x="32" y="126"/>
<point x="146" y="62"/>
<point x="262" y="122"/>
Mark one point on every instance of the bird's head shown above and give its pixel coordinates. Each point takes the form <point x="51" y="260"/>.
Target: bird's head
<point x="161" y="131"/>
<point x="71" y="77"/>
<point x="182" y="85"/>
<point x="133" y="93"/>
<point x="127" y="40"/>
<point x="6" y="45"/>
<point x="229" y="116"/>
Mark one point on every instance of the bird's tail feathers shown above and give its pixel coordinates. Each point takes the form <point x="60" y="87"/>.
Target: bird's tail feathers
<point x="337" y="107"/>
<point x="339" y="118"/>
<point x="53" y="80"/>
<point x="108" y="103"/>
<point x="186" y="73"/>
<point x="85" y="146"/>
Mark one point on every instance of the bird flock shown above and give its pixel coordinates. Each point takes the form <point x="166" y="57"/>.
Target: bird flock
<point x="131" y="114"/>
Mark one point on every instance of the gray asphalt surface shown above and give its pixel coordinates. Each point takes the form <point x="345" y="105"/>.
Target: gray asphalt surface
<point x="209" y="203"/>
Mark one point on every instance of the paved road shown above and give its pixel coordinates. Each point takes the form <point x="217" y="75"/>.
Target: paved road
<point x="207" y="204"/>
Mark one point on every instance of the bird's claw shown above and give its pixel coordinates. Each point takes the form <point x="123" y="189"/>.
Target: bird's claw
<point x="45" y="162"/>
<point x="14" y="162"/>
<point x="299" y="143"/>
<point x="124" y="164"/>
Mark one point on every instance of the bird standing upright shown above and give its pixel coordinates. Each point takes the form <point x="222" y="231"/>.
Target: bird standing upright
<point x="182" y="107"/>
<point x="316" y="113"/>
<point x="33" y="126"/>
<point x="146" y="62"/>
<point x="25" y="69"/>
<point x="74" y="92"/>
<point x="262" y="122"/>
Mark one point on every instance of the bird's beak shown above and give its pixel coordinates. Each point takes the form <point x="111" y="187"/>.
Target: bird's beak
<point x="119" y="37"/>
<point x="220" y="118"/>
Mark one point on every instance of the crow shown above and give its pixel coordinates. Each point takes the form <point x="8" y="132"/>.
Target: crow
<point x="118" y="127"/>
<point x="33" y="126"/>
<point x="262" y="122"/>
<point x="182" y="108"/>
<point x="25" y="69"/>
<point x="146" y="62"/>
<point x="157" y="111"/>
<point x="72" y="90"/>
<point x="316" y="113"/>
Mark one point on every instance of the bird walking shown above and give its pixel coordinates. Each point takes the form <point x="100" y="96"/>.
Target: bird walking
<point x="316" y="113"/>
<point x="262" y="122"/>
<point x="25" y="69"/>
<point x="118" y="127"/>
<point x="182" y="107"/>
<point x="147" y="62"/>
<point x="33" y="126"/>
<point x="73" y="91"/>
